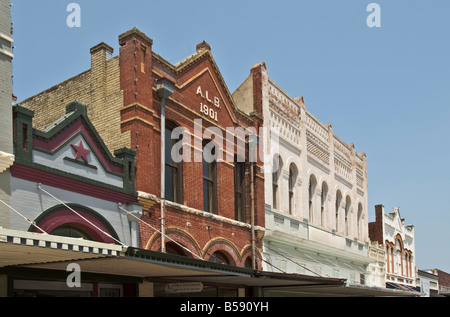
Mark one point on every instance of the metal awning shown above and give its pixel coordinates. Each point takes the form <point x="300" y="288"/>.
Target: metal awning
<point x="42" y="251"/>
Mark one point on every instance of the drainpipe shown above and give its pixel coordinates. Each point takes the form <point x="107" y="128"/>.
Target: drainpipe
<point x="252" y="193"/>
<point x="253" y="141"/>
<point x="164" y="89"/>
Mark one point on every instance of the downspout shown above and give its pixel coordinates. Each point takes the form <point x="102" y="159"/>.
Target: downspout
<point x="253" y="141"/>
<point x="164" y="89"/>
<point x="252" y="197"/>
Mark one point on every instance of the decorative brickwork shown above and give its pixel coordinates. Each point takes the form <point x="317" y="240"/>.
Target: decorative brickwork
<point x="121" y="95"/>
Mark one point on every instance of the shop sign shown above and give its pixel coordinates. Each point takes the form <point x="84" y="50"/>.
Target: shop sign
<point x="193" y="287"/>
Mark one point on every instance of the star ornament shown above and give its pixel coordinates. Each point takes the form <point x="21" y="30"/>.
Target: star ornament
<point x="81" y="151"/>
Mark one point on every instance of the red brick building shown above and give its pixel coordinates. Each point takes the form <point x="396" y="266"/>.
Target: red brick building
<point x="213" y="210"/>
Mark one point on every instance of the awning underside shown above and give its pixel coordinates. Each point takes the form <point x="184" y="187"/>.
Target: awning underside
<point x="29" y="250"/>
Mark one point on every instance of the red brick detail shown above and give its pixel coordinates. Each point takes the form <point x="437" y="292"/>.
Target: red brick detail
<point x="141" y="116"/>
<point x="376" y="228"/>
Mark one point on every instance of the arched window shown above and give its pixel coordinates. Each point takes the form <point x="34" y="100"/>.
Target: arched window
<point x="219" y="257"/>
<point x="210" y="177"/>
<point x="173" y="182"/>
<point x="360" y="221"/>
<point x="312" y="190"/>
<point x="398" y="258"/>
<point x="388" y="259"/>
<point x="276" y="172"/>
<point x="73" y="220"/>
<point x="323" y="201"/>
<point x="348" y="204"/>
<point x="292" y="180"/>
<point x="405" y="265"/>
<point x="337" y="208"/>
<point x="248" y="263"/>
<point x="174" y="248"/>
<point x="72" y="231"/>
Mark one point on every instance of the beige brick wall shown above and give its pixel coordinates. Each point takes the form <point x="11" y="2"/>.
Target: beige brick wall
<point x="98" y="88"/>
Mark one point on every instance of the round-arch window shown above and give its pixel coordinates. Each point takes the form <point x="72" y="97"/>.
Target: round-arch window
<point x="71" y="231"/>
<point x="173" y="248"/>
<point x="219" y="257"/>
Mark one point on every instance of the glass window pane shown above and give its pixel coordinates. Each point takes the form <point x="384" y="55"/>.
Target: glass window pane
<point x="205" y="196"/>
<point x="168" y="146"/>
<point x="169" y="184"/>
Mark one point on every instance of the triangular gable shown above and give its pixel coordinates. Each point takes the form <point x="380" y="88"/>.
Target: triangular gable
<point x="397" y="221"/>
<point x="72" y="147"/>
<point x="198" y="79"/>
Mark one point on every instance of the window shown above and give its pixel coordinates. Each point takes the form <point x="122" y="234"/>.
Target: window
<point x="274" y="190"/>
<point x="220" y="257"/>
<point x="337" y="208"/>
<point x="174" y="248"/>
<point x="277" y="164"/>
<point x="173" y="188"/>
<point x="312" y="190"/>
<point x="209" y="178"/>
<point x="360" y="221"/>
<point x="143" y="52"/>
<point x="71" y="231"/>
<point x="239" y="186"/>
<point x="292" y="180"/>
<point x="323" y="200"/>
<point x="347" y="215"/>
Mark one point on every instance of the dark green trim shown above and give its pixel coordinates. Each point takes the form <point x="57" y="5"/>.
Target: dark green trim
<point x="23" y="148"/>
<point x="166" y="258"/>
<point x="80" y="163"/>
<point x="118" y="162"/>
<point x="23" y="133"/>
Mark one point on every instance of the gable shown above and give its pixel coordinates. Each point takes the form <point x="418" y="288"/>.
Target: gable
<point x="71" y="147"/>
<point x="79" y="156"/>
<point x="200" y="87"/>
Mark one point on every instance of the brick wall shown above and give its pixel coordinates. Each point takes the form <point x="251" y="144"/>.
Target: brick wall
<point x="123" y="104"/>
<point x="376" y="227"/>
<point x="201" y="232"/>
<point x="98" y="88"/>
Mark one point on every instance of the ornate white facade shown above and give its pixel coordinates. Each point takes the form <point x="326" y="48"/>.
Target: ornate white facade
<point x="316" y="202"/>
<point x="390" y="230"/>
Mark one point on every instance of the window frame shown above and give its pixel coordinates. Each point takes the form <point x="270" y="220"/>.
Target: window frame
<point x="210" y="191"/>
<point x="176" y="180"/>
<point x="239" y="190"/>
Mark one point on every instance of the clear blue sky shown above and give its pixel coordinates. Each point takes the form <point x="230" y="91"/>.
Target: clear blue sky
<point x="387" y="89"/>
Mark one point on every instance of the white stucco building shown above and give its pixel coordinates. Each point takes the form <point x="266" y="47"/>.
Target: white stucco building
<point x="316" y="201"/>
<point x="6" y="100"/>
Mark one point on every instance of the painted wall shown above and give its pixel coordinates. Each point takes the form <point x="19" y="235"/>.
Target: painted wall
<point x="303" y="233"/>
<point x="6" y="97"/>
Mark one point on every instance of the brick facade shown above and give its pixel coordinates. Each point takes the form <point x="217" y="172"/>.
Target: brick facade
<point x="98" y="88"/>
<point x="124" y="106"/>
<point x="376" y="227"/>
